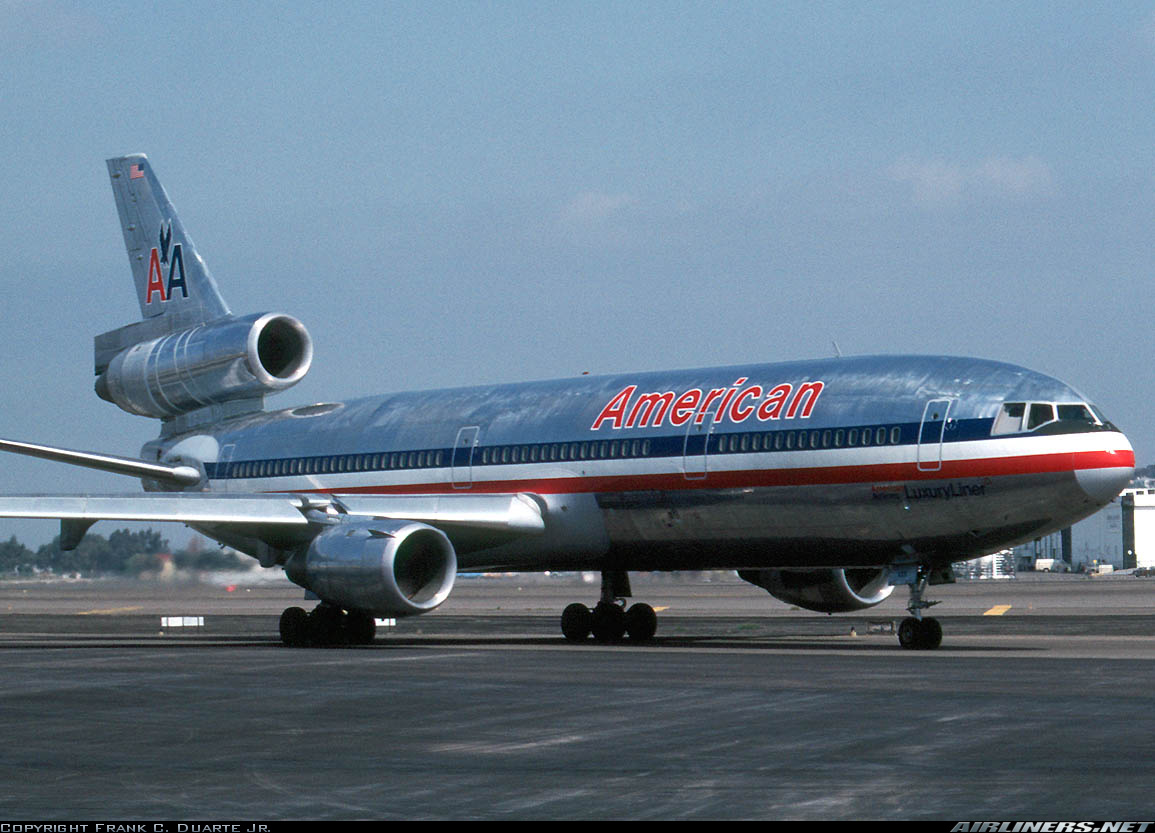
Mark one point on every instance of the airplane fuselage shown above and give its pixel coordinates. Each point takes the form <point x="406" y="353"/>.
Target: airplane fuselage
<point x="847" y="462"/>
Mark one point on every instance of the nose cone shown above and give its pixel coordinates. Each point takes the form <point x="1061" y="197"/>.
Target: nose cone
<point x="1104" y="483"/>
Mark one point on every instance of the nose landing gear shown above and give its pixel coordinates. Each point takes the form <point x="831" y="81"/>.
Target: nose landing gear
<point x="915" y="632"/>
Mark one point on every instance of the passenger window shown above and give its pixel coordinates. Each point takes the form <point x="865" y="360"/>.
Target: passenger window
<point x="1041" y="413"/>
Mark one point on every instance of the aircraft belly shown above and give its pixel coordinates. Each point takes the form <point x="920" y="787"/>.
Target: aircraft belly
<point x="835" y="525"/>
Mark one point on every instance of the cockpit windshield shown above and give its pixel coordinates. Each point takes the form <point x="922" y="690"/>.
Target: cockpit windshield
<point x="1054" y="417"/>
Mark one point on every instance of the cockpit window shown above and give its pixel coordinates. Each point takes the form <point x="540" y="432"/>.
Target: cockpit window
<point x="1075" y="413"/>
<point x="1015" y="417"/>
<point x="1041" y="413"/>
<point x="1010" y="418"/>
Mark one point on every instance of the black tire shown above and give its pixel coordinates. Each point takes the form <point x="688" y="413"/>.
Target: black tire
<point x="360" y="629"/>
<point x="641" y="623"/>
<point x="294" y="627"/>
<point x="931" y="634"/>
<point x="326" y="626"/>
<point x="909" y="632"/>
<point x="609" y="622"/>
<point x="576" y="622"/>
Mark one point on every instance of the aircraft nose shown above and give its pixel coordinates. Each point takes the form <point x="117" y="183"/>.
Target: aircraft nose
<point x="1103" y="484"/>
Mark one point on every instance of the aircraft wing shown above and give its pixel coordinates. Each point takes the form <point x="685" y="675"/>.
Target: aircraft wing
<point x="513" y="513"/>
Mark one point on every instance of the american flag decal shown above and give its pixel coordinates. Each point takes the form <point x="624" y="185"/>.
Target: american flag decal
<point x="136" y="172"/>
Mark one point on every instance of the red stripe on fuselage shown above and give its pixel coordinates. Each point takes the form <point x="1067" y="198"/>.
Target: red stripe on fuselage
<point x="755" y="478"/>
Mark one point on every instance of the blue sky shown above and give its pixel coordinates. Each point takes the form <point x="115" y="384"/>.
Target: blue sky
<point x="483" y="192"/>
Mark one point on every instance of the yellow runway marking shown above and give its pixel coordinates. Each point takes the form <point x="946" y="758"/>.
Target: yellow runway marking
<point x="997" y="610"/>
<point x="107" y="610"/>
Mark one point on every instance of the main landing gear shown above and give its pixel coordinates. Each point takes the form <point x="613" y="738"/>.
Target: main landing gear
<point x="610" y="620"/>
<point x="915" y="632"/>
<point x="326" y="625"/>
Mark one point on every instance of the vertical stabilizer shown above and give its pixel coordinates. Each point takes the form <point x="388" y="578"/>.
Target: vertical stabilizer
<point x="171" y="278"/>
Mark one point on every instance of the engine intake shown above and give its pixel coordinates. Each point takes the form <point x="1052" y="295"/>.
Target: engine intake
<point x="224" y="360"/>
<point x="827" y="591"/>
<point x="386" y="568"/>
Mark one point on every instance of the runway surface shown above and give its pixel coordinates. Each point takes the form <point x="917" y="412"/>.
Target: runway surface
<point x="741" y="708"/>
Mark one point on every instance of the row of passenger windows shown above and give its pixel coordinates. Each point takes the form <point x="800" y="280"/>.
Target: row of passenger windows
<point x="342" y="463"/>
<point x="568" y="452"/>
<point x="828" y="438"/>
<point x="557" y="452"/>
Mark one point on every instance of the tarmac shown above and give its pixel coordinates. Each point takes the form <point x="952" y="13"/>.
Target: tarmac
<point x="1040" y="705"/>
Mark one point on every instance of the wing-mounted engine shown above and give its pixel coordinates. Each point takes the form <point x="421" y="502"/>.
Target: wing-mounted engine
<point x="383" y="567"/>
<point x="225" y="360"/>
<point x="827" y="591"/>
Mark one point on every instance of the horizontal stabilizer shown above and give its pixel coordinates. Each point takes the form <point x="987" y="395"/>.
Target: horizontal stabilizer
<point x="176" y="475"/>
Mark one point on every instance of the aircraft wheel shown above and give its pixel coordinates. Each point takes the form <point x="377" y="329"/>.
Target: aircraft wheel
<point x="360" y="629"/>
<point x="908" y="631"/>
<point x="576" y="622"/>
<point x="294" y="626"/>
<point x="326" y="625"/>
<point x="609" y="622"/>
<point x="641" y="623"/>
<point x="916" y="635"/>
<point x="931" y="634"/>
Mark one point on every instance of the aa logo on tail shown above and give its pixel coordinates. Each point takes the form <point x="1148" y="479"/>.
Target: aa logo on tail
<point x="174" y="260"/>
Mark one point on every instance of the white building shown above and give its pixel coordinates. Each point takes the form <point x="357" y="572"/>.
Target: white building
<point x="1121" y="534"/>
<point x="1139" y="526"/>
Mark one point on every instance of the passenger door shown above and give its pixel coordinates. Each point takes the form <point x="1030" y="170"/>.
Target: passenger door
<point x="462" y="467"/>
<point x="930" y="434"/>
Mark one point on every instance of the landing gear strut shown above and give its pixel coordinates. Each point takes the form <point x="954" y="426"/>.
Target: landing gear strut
<point x="915" y="632"/>
<point x="609" y="621"/>
<point x="326" y="625"/>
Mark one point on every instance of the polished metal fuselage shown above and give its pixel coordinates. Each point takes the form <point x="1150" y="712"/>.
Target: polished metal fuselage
<point x="844" y="462"/>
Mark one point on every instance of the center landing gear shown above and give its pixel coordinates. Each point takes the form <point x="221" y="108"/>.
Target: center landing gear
<point x="915" y="632"/>
<point x="610" y="621"/>
<point x="326" y="625"/>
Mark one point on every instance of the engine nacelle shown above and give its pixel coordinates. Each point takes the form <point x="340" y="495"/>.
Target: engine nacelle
<point x="386" y="568"/>
<point x="827" y="591"/>
<point x="224" y="360"/>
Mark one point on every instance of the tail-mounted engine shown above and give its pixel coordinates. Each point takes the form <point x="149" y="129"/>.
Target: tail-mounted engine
<point x="224" y="360"/>
<point x="386" y="568"/>
<point x="827" y="591"/>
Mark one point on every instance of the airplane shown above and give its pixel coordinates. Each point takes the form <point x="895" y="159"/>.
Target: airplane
<point x="827" y="483"/>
